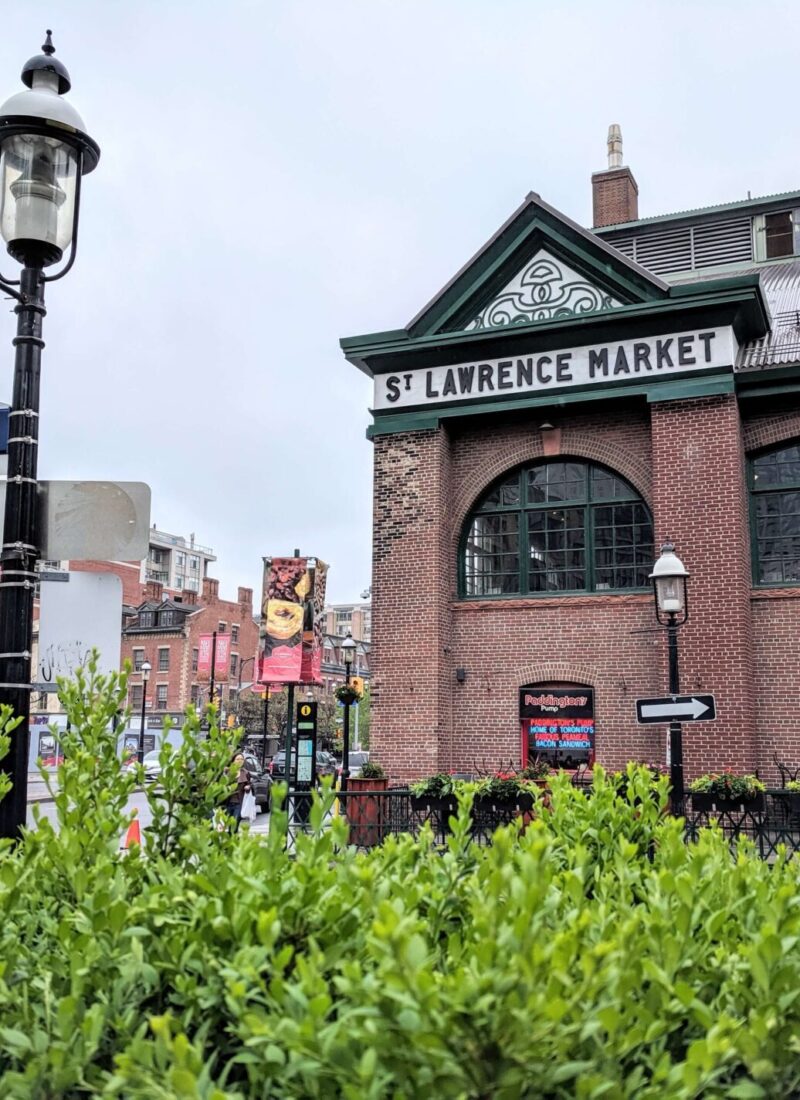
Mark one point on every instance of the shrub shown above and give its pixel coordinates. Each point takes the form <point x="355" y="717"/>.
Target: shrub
<point x="594" y="955"/>
<point x="371" y="770"/>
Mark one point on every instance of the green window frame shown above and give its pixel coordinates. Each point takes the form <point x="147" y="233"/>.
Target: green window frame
<point x="774" y="482"/>
<point x="556" y="527"/>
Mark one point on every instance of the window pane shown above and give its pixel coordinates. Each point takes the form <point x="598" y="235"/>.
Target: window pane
<point x="778" y="537"/>
<point x="606" y="486"/>
<point x="556" y="481"/>
<point x="556" y="541"/>
<point x="506" y="494"/>
<point x="777" y="468"/>
<point x="492" y="555"/>
<point x="779" y="232"/>
<point x="623" y="546"/>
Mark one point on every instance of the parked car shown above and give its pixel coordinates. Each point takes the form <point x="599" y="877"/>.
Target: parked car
<point x="152" y="766"/>
<point x="357" y="760"/>
<point x="260" y="781"/>
<point x="326" y="765"/>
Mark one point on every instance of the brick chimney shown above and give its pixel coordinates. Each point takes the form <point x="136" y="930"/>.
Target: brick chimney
<point x="615" y="194"/>
<point x="189" y="596"/>
<point x="210" y="590"/>
<point x="246" y="597"/>
<point x="154" y="590"/>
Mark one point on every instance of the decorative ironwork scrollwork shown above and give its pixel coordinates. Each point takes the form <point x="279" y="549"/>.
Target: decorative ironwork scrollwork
<point x="543" y="291"/>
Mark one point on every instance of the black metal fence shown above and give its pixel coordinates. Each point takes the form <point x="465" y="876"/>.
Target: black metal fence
<point x="771" y="821"/>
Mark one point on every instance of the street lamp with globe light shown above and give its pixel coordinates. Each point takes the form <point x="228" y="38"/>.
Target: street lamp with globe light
<point x="669" y="578"/>
<point x="44" y="153"/>
<point x="146" y="668"/>
<point x="348" y="656"/>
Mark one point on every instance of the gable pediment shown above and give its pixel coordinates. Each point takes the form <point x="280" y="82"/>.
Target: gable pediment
<point x="539" y="266"/>
<point x="545" y="289"/>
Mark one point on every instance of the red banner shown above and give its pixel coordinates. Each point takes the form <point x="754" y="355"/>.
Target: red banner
<point x="222" y="663"/>
<point x="222" y="658"/>
<point x="205" y="642"/>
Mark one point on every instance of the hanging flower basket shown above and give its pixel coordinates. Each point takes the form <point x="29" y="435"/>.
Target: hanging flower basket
<point x="347" y="694"/>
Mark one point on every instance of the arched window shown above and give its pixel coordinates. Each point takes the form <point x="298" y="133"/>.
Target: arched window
<point x="566" y="527"/>
<point x="775" y="509"/>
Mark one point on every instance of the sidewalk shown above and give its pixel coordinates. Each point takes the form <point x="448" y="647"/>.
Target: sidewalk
<point x="37" y="791"/>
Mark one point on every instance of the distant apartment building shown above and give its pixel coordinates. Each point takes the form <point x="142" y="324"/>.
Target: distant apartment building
<point x="176" y="562"/>
<point x="355" y="618"/>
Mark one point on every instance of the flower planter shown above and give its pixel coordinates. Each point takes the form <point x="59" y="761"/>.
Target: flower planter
<point x="705" y="800"/>
<point x="366" y="815"/>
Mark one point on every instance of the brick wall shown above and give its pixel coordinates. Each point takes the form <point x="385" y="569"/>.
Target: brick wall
<point x="687" y="459"/>
<point x="700" y="502"/>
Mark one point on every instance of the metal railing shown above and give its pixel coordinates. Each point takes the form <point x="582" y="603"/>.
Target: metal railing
<point x="373" y="816"/>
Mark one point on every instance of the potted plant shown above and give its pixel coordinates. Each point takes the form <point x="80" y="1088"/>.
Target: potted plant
<point x="538" y="771"/>
<point x="365" y="808"/>
<point x="727" y="791"/>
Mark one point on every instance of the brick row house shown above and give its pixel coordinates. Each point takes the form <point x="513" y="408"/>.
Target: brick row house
<point x="165" y="631"/>
<point x="571" y="400"/>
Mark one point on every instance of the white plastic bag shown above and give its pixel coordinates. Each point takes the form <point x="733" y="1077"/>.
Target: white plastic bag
<point x="249" y="808"/>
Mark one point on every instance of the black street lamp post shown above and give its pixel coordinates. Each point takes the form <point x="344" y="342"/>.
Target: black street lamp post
<point x="146" y="667"/>
<point x="348" y="655"/>
<point x="669" y="578"/>
<point x="44" y="152"/>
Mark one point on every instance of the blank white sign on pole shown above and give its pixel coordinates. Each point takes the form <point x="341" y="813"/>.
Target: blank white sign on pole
<point x="76" y="616"/>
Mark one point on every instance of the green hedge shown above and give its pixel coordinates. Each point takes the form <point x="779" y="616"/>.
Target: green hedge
<point x="595" y="955"/>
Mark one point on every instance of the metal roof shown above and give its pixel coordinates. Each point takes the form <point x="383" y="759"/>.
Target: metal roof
<point x="740" y="204"/>
<point x="781" y="346"/>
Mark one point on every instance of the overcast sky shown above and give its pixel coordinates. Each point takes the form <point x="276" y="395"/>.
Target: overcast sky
<point x="275" y="175"/>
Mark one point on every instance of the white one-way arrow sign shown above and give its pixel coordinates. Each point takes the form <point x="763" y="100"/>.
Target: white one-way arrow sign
<point x="676" y="708"/>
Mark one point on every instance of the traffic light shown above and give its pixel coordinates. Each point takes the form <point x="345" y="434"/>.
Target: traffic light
<point x="357" y="684"/>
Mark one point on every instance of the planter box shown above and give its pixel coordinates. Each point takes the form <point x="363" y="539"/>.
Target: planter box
<point x="713" y="802"/>
<point x="366" y="815"/>
<point x="487" y="804"/>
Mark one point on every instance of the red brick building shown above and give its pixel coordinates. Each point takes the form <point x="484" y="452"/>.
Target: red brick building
<point x="165" y="631"/>
<point x="569" y="401"/>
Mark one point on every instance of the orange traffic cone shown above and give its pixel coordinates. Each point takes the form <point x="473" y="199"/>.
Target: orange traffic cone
<point x="133" y="835"/>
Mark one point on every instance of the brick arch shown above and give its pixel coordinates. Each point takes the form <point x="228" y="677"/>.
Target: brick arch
<point x="556" y="670"/>
<point x="771" y="430"/>
<point x="574" y="444"/>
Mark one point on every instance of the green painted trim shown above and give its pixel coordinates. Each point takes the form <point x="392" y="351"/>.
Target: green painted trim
<point x="424" y="419"/>
<point x="685" y="389"/>
<point x="702" y="212"/>
<point x="750" y="321"/>
<point x="480" y="292"/>
<point x="512" y="245"/>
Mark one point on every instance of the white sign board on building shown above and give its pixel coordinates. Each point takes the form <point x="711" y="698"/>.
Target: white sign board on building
<point x="643" y="360"/>
<point x="75" y="617"/>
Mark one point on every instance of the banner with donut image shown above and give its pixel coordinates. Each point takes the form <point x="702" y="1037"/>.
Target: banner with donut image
<point x="291" y="621"/>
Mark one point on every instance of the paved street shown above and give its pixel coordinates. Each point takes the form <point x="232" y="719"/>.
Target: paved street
<point x="139" y="800"/>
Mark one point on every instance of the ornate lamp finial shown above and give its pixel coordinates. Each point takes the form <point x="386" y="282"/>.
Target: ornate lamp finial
<point x="48" y="46"/>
